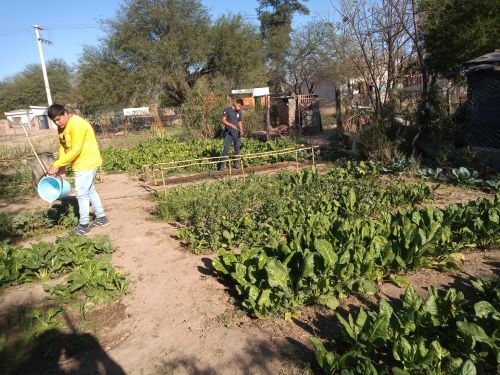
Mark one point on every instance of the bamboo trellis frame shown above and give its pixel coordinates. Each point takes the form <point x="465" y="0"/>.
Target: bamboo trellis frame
<point x="157" y="171"/>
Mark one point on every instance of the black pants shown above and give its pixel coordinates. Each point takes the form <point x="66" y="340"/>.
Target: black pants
<point x="230" y="136"/>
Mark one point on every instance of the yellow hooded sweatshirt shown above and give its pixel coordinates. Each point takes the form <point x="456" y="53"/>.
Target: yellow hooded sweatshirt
<point x="78" y="146"/>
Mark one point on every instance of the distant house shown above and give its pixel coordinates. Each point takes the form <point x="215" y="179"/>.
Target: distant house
<point x="255" y="98"/>
<point x="34" y="116"/>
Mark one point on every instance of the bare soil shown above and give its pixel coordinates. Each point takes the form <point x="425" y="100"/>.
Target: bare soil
<point x="179" y="319"/>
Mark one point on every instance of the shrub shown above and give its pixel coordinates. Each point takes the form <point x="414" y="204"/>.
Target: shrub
<point x="202" y="111"/>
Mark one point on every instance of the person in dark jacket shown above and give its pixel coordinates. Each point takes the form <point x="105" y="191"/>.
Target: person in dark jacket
<point x="232" y="118"/>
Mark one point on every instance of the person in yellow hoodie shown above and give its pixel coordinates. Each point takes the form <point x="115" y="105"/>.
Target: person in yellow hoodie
<point x="78" y="148"/>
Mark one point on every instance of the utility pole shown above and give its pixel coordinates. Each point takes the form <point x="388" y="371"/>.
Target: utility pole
<point x="39" y="41"/>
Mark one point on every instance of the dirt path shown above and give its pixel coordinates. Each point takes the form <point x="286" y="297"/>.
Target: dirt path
<point x="180" y="320"/>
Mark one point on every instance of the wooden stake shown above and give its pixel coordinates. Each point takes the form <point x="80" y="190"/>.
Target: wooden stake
<point x="33" y="149"/>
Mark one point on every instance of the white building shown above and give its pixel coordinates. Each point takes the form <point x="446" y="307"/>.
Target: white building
<point x="35" y="116"/>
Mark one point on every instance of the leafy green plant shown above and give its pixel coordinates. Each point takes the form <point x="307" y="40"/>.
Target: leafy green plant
<point x="444" y="333"/>
<point x="465" y="176"/>
<point x="48" y="260"/>
<point x="493" y="185"/>
<point x="433" y="174"/>
<point x="398" y="166"/>
<point x="96" y="280"/>
<point x="40" y="221"/>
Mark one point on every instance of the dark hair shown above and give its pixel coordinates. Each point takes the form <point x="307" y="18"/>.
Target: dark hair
<point x="56" y="110"/>
<point x="239" y="101"/>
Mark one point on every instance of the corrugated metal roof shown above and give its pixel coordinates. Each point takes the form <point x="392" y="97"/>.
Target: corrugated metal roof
<point x="492" y="57"/>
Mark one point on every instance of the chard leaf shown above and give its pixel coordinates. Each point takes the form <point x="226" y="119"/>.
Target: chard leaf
<point x="430" y="306"/>
<point x="440" y="351"/>
<point x="264" y="300"/>
<point x="325" y="358"/>
<point x="253" y="293"/>
<point x="347" y="326"/>
<point x="352" y="199"/>
<point x="277" y="275"/>
<point x="468" y="368"/>
<point x="329" y="301"/>
<point x="400" y="262"/>
<point x="360" y="320"/>
<point x="325" y="249"/>
<point x="308" y="266"/>
<point x="378" y="329"/>
<point x="475" y="331"/>
<point x="345" y="257"/>
<point x="400" y="281"/>
<point x="483" y="309"/>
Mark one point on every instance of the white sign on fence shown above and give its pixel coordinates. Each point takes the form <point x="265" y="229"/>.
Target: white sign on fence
<point x="139" y="111"/>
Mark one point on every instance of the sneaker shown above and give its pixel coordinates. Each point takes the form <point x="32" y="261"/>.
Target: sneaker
<point x="82" y="229"/>
<point x="100" y="222"/>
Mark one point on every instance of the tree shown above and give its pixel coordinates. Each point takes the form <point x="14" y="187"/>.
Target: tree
<point x="103" y="82"/>
<point x="456" y="31"/>
<point x="165" y="43"/>
<point x="237" y="52"/>
<point x="166" y="46"/>
<point x="28" y="88"/>
<point x="411" y="19"/>
<point x="308" y="56"/>
<point x="379" y="46"/>
<point x="276" y="24"/>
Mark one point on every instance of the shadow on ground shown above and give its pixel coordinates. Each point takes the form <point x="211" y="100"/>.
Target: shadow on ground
<point x="36" y="343"/>
<point x="287" y="356"/>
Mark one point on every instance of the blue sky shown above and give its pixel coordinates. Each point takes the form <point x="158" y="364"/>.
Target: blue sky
<point x="72" y="24"/>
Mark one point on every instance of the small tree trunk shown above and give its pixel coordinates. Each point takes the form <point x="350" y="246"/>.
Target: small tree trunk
<point x="158" y="129"/>
<point x="268" y="117"/>
<point x="338" y="108"/>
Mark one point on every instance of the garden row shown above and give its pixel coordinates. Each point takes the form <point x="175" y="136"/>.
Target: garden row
<point x="351" y="254"/>
<point x="267" y="211"/>
<point x="168" y="149"/>
<point x="306" y="238"/>
<point x="88" y="260"/>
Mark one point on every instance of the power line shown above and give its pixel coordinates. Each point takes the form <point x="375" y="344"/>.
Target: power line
<point x="20" y="30"/>
<point x="68" y="27"/>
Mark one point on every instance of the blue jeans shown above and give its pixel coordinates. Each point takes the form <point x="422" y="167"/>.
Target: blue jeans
<point x="86" y="195"/>
<point x="230" y="136"/>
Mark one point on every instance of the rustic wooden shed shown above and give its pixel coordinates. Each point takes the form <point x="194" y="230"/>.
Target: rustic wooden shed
<point x="301" y="112"/>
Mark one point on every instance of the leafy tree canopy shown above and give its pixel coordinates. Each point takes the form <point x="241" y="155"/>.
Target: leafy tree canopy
<point x="156" y="51"/>
<point x="456" y="31"/>
<point x="276" y="24"/>
<point x="102" y="82"/>
<point x="28" y="88"/>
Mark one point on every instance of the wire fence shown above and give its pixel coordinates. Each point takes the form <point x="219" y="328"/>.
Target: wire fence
<point x="117" y="122"/>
